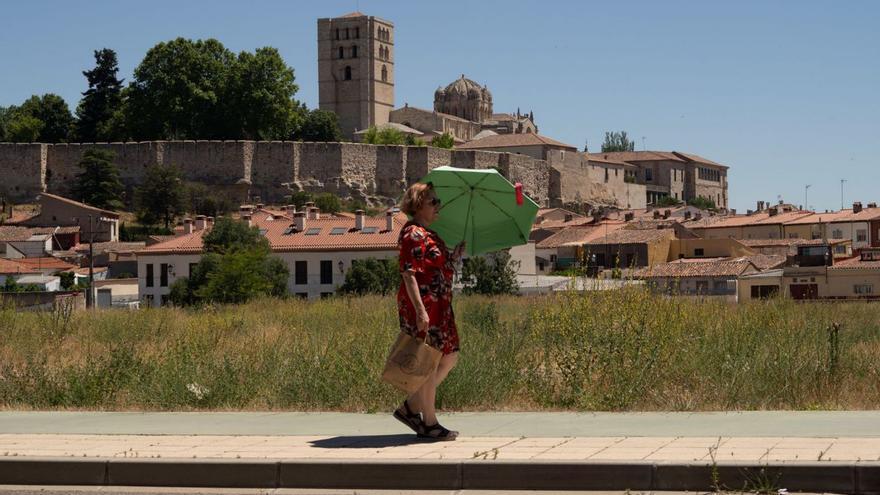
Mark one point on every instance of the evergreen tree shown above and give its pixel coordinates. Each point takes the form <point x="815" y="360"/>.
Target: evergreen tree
<point x="98" y="184"/>
<point x="371" y="276"/>
<point x="617" y="141"/>
<point x="99" y="110"/>
<point x="161" y="197"/>
<point x="443" y="141"/>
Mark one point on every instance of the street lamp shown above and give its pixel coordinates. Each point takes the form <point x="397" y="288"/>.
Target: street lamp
<point x="806" y="195"/>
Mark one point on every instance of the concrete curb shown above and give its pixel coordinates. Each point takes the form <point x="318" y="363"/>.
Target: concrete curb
<point x="839" y="477"/>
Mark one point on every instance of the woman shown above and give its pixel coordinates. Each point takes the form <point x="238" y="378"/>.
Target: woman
<point x="424" y="304"/>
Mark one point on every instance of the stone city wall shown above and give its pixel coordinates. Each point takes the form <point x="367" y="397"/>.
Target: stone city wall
<point x="268" y="169"/>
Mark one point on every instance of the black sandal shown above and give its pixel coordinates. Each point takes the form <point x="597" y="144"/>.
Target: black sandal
<point x="438" y="432"/>
<point x="412" y="420"/>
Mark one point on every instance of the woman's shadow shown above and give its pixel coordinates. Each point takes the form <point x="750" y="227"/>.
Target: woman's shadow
<point x="367" y="441"/>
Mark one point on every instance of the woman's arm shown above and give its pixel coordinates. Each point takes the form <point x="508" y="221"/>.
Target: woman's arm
<point x="412" y="289"/>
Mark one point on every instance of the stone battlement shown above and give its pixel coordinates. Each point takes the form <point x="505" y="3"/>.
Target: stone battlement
<point x="268" y="169"/>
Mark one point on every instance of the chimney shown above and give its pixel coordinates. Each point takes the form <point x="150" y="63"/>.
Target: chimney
<point x="187" y="225"/>
<point x="313" y="213"/>
<point x="200" y="222"/>
<point x="245" y="210"/>
<point x="687" y="215"/>
<point x="389" y="220"/>
<point x="667" y="213"/>
<point x="359" y="220"/>
<point x="773" y="211"/>
<point x="733" y="211"/>
<point x="628" y="217"/>
<point x="291" y="209"/>
<point x="872" y="205"/>
<point x="656" y="214"/>
<point x="247" y="220"/>
<point x="749" y="212"/>
<point x="760" y="206"/>
<point x="299" y="221"/>
<point x="209" y="222"/>
<point x="568" y="217"/>
<point x="698" y="216"/>
<point x="857" y="207"/>
<point x="260" y="206"/>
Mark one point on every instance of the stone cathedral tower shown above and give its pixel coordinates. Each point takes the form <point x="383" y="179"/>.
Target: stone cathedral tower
<point x="356" y="70"/>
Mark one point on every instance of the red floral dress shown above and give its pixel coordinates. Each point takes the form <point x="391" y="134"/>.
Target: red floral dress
<point x="424" y="253"/>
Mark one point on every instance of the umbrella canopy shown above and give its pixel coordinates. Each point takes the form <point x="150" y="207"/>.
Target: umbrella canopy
<point x="481" y="208"/>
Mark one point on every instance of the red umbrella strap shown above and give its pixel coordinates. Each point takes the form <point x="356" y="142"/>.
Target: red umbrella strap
<point x="519" y="193"/>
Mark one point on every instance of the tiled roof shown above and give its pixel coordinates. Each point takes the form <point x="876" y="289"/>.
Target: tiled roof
<point x="79" y="205"/>
<point x="760" y="218"/>
<point x="9" y="267"/>
<point x="12" y="233"/>
<point x="847" y="215"/>
<point x="855" y="264"/>
<point x="697" y="158"/>
<point x="46" y="263"/>
<point x="281" y="239"/>
<point x="512" y="140"/>
<point x="764" y="261"/>
<point x="706" y="269"/>
<point x="636" y="156"/>
<point x="85" y="270"/>
<point x="448" y="116"/>
<point x="790" y="242"/>
<point x="577" y="236"/>
<point x="110" y="247"/>
<point x="633" y="236"/>
<point x="594" y="157"/>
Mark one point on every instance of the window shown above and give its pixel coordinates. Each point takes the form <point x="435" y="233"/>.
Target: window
<point x="150" y="276"/>
<point x="148" y="300"/>
<point x="702" y="286"/>
<point x="341" y="52"/>
<point x="863" y="289"/>
<point x="346" y="33"/>
<point x="699" y="252"/>
<point x="616" y="172"/>
<point x="384" y="73"/>
<point x="302" y="295"/>
<point x="357" y="32"/>
<point x="313" y="231"/>
<point x="354" y="52"/>
<point x="837" y="234"/>
<point x="370" y="230"/>
<point x="606" y="174"/>
<point x="163" y="275"/>
<point x="649" y="174"/>
<point x="861" y="235"/>
<point x="165" y="299"/>
<point x="300" y="269"/>
<point x="338" y="230"/>
<point x="337" y="33"/>
<point x="326" y="272"/>
<point x="347" y="75"/>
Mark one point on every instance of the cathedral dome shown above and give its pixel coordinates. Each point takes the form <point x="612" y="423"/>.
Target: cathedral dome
<point x="465" y="87"/>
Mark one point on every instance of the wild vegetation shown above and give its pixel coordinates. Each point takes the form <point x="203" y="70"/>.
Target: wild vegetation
<point x="615" y="350"/>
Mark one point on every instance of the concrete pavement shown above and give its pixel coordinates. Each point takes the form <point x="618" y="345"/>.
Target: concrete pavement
<point x="815" y="451"/>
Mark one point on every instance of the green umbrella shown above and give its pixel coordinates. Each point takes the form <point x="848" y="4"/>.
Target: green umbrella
<point x="481" y="208"/>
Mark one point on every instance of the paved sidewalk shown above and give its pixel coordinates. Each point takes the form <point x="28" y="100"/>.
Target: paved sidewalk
<point x="835" y="451"/>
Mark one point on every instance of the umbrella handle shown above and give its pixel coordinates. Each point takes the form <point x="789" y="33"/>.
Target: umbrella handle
<point x="519" y="193"/>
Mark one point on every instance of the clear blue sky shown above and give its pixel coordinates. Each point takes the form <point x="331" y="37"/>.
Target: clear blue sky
<point x="786" y="93"/>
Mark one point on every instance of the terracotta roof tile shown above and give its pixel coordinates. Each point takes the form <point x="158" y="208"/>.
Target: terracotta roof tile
<point x="856" y="264"/>
<point x="633" y="236"/>
<point x="513" y="140"/>
<point x="580" y="235"/>
<point x="46" y="263"/>
<point x="9" y="267"/>
<point x="12" y="233"/>
<point x="706" y="269"/>
<point x="636" y="156"/>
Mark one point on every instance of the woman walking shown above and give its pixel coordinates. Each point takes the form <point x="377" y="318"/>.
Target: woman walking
<point x="424" y="304"/>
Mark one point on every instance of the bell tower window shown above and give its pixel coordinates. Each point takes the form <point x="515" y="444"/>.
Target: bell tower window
<point x="347" y="75"/>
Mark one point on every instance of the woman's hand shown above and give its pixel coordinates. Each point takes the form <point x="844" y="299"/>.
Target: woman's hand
<point x="458" y="252"/>
<point x="422" y="321"/>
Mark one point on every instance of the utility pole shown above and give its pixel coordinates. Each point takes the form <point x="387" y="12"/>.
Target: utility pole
<point x="806" y="195"/>
<point x="842" y="202"/>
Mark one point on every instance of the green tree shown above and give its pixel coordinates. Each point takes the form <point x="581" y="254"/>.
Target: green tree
<point x="99" y="111"/>
<point x="491" y="275"/>
<point x="390" y="136"/>
<point x="371" y="276"/>
<point x="204" y="200"/>
<point x="668" y="201"/>
<point x="319" y="126"/>
<point x="177" y="91"/>
<point x="5" y="117"/>
<point x="53" y="112"/>
<point x="328" y="203"/>
<point x="702" y="203"/>
<point x="23" y="129"/>
<point x="259" y="96"/>
<point x="300" y="198"/>
<point x="445" y="140"/>
<point x="617" y="141"/>
<point x="229" y="235"/>
<point x="161" y="197"/>
<point x="98" y="184"/>
<point x="67" y="280"/>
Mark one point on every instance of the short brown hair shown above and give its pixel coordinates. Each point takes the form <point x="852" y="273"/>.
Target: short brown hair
<point x="414" y="197"/>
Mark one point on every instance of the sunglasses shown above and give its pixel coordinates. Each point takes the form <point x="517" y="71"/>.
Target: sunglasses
<point x="435" y="201"/>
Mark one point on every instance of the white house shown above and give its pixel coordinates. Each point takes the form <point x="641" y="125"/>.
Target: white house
<point x="318" y="249"/>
